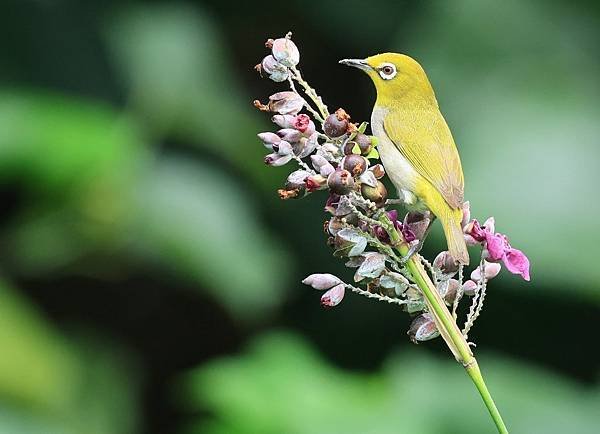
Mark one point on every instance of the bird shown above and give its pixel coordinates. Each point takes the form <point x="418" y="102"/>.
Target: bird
<point x="415" y="144"/>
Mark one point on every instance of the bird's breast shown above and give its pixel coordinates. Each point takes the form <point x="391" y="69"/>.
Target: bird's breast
<point x="399" y="170"/>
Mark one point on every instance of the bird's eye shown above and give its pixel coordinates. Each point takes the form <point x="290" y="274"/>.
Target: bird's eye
<point x="387" y="71"/>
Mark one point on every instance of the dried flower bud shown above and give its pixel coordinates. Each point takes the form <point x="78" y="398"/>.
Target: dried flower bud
<point x="335" y="225"/>
<point x="334" y="296"/>
<point x="285" y="52"/>
<point x="297" y="180"/>
<point x="469" y="288"/>
<point x="376" y="194"/>
<point x="322" y="281"/>
<point x="277" y="72"/>
<point x="350" y="148"/>
<point x="286" y="103"/>
<point x="364" y="142"/>
<point x="336" y="124"/>
<point x="315" y="182"/>
<point x="303" y="124"/>
<point x="269" y="139"/>
<point x="423" y="328"/>
<point x="340" y="182"/>
<point x="378" y="171"/>
<point x="448" y="290"/>
<point x="284" y="121"/>
<point x="491" y="270"/>
<point x="349" y="242"/>
<point x="445" y="263"/>
<point x="372" y="266"/>
<point x="355" y="164"/>
<point x="289" y="135"/>
<point x="276" y="159"/>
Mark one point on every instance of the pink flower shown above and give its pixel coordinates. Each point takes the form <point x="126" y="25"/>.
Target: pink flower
<point x="497" y="247"/>
<point x="301" y="122"/>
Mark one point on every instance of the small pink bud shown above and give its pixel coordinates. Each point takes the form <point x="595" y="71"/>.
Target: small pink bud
<point x="490" y="225"/>
<point x="289" y="135"/>
<point x="517" y="263"/>
<point x="285" y="52"/>
<point x="322" y="281"/>
<point x="495" y="245"/>
<point x="316" y="182"/>
<point x="306" y="145"/>
<point x="283" y="148"/>
<point x="276" y="160"/>
<point x="301" y="122"/>
<point x="334" y="296"/>
<point x="277" y="72"/>
<point x="469" y="287"/>
<point x="491" y="270"/>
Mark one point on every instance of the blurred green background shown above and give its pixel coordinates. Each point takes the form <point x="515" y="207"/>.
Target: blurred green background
<point x="150" y="276"/>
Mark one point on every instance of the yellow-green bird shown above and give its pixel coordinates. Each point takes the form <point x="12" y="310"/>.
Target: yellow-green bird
<point x="415" y="143"/>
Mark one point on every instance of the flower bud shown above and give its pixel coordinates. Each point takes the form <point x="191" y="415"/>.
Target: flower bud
<point x="336" y="124"/>
<point x="321" y="165"/>
<point x="448" y="290"/>
<point x="289" y="135"/>
<point x="297" y="180"/>
<point x="351" y="147"/>
<point x="282" y="148"/>
<point x="335" y="225"/>
<point x="340" y="182"/>
<point x="423" y="328"/>
<point x="276" y="159"/>
<point x="283" y="121"/>
<point x="469" y="288"/>
<point x="378" y="171"/>
<point x="376" y="194"/>
<point x="355" y="164"/>
<point x="286" y="103"/>
<point x="491" y="270"/>
<point x="349" y="242"/>
<point x="315" y="182"/>
<point x="269" y="139"/>
<point x="490" y="225"/>
<point x="302" y="123"/>
<point x="364" y="143"/>
<point x="322" y="281"/>
<point x="445" y="263"/>
<point x="285" y="52"/>
<point x="277" y="72"/>
<point x="334" y="296"/>
<point x="306" y="145"/>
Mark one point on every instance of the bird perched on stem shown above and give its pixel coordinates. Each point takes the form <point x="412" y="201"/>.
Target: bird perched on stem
<point x="415" y="143"/>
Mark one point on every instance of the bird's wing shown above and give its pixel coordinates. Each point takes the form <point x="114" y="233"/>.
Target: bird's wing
<point x="424" y="139"/>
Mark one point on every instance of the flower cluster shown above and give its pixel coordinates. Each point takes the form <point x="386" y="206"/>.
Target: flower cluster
<point x="338" y="156"/>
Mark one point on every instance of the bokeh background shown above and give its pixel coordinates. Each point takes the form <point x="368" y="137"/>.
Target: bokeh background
<point x="150" y="276"/>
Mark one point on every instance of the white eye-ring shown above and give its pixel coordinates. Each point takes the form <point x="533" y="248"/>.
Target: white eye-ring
<point x="387" y="71"/>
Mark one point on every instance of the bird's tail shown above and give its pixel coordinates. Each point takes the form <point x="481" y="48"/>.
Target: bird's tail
<point x="457" y="246"/>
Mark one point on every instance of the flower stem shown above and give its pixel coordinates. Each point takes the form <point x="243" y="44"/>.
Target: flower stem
<point x="444" y="321"/>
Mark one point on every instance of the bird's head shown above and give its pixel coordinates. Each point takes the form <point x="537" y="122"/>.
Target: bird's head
<point x="396" y="77"/>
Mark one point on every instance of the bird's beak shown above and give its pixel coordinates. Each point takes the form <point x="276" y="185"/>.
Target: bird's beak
<point x="356" y="63"/>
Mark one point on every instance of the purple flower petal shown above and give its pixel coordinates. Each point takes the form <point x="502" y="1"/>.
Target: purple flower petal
<point x="517" y="263"/>
<point x="496" y="246"/>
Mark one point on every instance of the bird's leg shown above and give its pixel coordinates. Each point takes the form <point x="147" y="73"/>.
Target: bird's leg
<point x="416" y="248"/>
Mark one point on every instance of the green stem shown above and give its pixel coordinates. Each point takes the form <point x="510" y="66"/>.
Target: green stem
<point x="444" y="321"/>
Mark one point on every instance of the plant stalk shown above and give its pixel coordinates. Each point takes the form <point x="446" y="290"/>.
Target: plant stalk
<point x="444" y="321"/>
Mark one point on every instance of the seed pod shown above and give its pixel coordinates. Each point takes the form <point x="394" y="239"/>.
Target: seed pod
<point x="340" y="182"/>
<point x="364" y="143"/>
<point x="423" y="328"/>
<point x="375" y="194"/>
<point x="336" y="124"/>
<point x="355" y="164"/>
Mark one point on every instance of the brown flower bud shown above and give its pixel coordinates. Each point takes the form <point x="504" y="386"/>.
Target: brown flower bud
<point x="355" y="164"/>
<point x="445" y="263"/>
<point x="378" y="171"/>
<point x="375" y="194"/>
<point x="340" y="182"/>
<point x="336" y="124"/>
